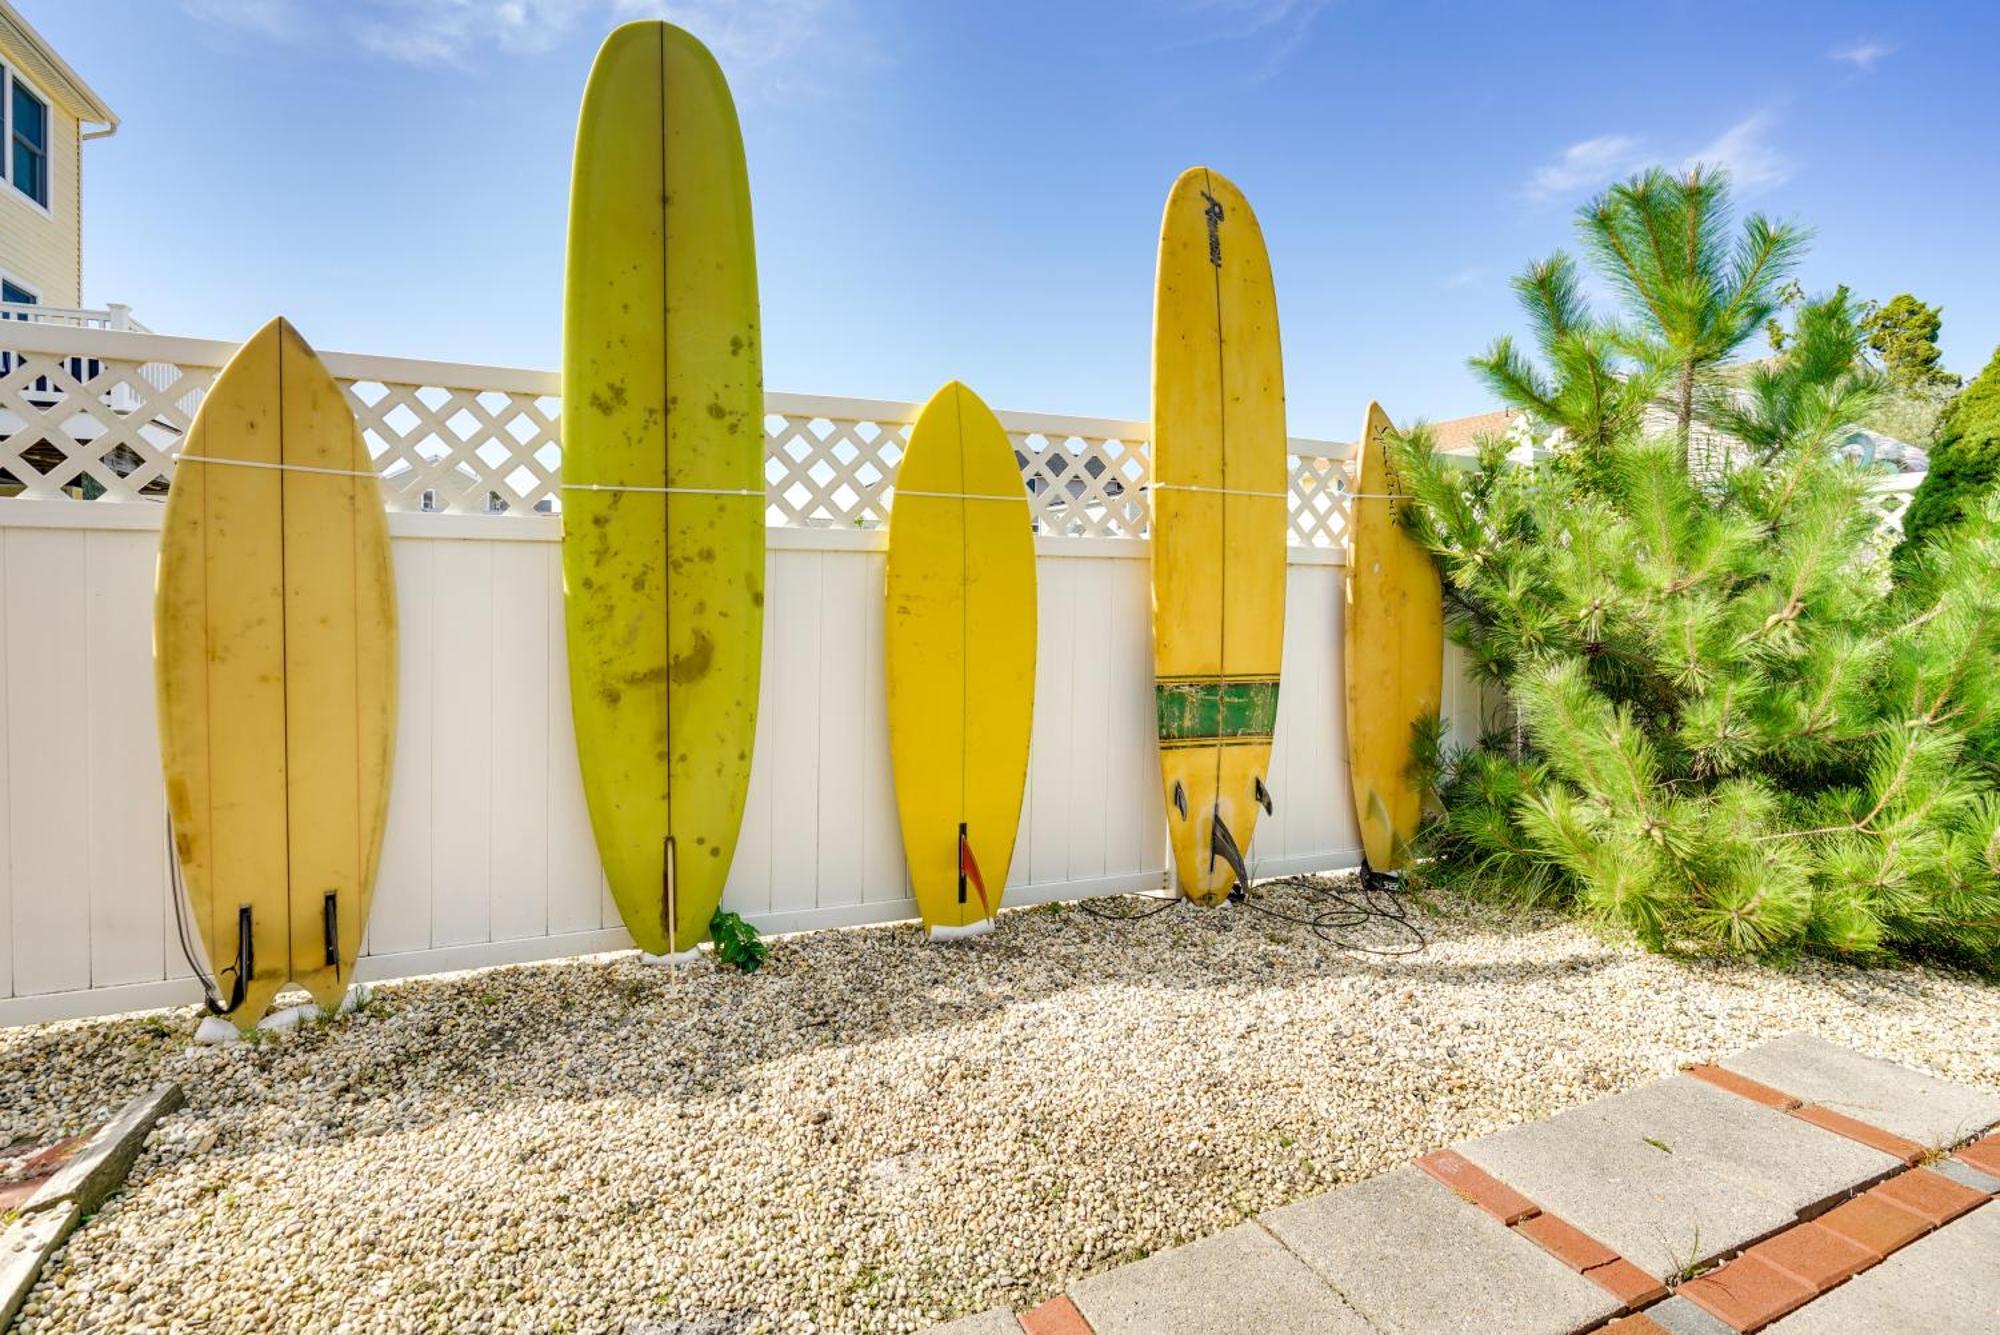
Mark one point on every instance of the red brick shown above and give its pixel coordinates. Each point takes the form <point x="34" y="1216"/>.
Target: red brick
<point x="1983" y="1155"/>
<point x="1627" y="1282"/>
<point x="1933" y="1195"/>
<point x="1566" y="1242"/>
<point x="1057" y="1316"/>
<point x="1475" y="1184"/>
<point x="1874" y="1137"/>
<point x="1815" y="1255"/>
<point x="1743" y="1085"/>
<point x="1747" y="1293"/>
<point x="1878" y="1225"/>
<point x="1636" y="1324"/>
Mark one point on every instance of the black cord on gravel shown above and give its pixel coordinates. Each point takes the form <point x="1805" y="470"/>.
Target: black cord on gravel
<point x="1375" y="901"/>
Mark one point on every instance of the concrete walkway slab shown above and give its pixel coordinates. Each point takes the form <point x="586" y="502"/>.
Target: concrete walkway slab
<point x="1919" y="1107"/>
<point x="1411" y="1257"/>
<point x="1949" y="1281"/>
<point x="1677" y="1171"/>
<point x="1240" y="1279"/>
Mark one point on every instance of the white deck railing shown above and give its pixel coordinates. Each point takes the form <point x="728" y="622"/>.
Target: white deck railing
<point x="113" y="316"/>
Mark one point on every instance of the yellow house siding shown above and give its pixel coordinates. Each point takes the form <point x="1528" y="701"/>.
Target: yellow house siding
<point x="43" y="249"/>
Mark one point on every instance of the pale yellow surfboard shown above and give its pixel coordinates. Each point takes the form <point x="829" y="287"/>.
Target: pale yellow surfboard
<point x="1218" y="529"/>
<point x="663" y="477"/>
<point x="1394" y="630"/>
<point x="960" y="657"/>
<point x="274" y="638"/>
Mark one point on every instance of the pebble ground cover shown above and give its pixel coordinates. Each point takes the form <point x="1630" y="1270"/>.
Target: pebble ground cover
<point x="873" y="1132"/>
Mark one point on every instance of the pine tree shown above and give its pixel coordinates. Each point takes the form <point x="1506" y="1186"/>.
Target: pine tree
<point x="1904" y="335"/>
<point x="1693" y="294"/>
<point x="1729" y="732"/>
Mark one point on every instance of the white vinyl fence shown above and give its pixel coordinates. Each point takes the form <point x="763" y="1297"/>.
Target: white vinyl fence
<point x="488" y="857"/>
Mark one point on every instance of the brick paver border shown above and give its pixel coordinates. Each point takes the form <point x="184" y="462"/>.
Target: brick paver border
<point x="1769" y="1279"/>
<point x="1787" y="1270"/>
<point x="1557" y="1236"/>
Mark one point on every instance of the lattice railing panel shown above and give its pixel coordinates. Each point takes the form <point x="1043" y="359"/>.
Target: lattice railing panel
<point x="90" y="414"/>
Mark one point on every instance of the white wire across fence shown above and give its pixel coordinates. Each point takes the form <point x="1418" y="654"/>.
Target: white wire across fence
<point x="98" y="415"/>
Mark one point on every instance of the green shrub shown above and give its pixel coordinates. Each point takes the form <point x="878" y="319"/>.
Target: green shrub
<point x="1964" y="462"/>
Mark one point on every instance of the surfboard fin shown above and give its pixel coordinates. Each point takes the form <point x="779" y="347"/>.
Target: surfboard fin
<point x="968" y="870"/>
<point x="1222" y="844"/>
<point x="1263" y="796"/>
<point x="246" y="965"/>
<point x="1180" y="799"/>
<point x="669" y="909"/>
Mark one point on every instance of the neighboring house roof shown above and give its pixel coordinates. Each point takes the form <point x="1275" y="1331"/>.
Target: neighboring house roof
<point x="1461" y="435"/>
<point x="50" y="71"/>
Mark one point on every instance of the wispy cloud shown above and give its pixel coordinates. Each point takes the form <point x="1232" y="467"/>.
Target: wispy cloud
<point x="746" y="35"/>
<point x="1585" y="164"/>
<point x="1746" y="152"/>
<point x="1863" y="53"/>
<point x="1744" y="149"/>
<point x="1472" y="276"/>
<point x="1277" y="27"/>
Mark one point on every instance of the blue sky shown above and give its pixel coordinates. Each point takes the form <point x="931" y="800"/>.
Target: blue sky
<point x="948" y="189"/>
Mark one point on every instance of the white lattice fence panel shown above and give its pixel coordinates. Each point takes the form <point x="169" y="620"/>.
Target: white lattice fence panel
<point x="466" y="449"/>
<point x="827" y="471"/>
<point x="1320" y="503"/>
<point x="91" y="414"/>
<point x="1086" y="486"/>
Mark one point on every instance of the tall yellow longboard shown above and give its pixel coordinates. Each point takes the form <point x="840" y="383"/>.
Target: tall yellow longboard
<point x="1394" y="631"/>
<point x="960" y="637"/>
<point x="274" y="640"/>
<point x="1219" y="517"/>
<point x="663" y="477"/>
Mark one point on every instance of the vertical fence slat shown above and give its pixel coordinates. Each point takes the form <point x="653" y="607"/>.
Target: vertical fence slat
<point x="519" y="726"/>
<point x="462" y="733"/>
<point x="795" y="590"/>
<point x="576" y="888"/>
<point x="1093" y="591"/>
<point x="1054" y="740"/>
<point x="841" y="710"/>
<point x="748" y="889"/>
<point x="48" y="767"/>
<point x="399" y="920"/>
<point x="125" y="815"/>
<point x="883" y="876"/>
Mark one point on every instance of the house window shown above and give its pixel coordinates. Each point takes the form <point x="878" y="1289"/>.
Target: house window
<point x="29" y="124"/>
<point x="13" y="292"/>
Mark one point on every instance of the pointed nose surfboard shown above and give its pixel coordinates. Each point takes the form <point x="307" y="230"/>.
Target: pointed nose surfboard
<point x="663" y="477"/>
<point x="1219" y="520"/>
<point x="274" y="635"/>
<point x="960" y="657"/>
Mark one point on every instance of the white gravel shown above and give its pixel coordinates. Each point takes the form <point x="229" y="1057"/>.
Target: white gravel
<point x="873" y="1133"/>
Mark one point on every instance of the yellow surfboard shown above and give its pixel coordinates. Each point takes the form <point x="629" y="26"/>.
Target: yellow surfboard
<point x="663" y="477"/>
<point x="960" y="650"/>
<point x="1219" y="518"/>
<point x="1394" y="631"/>
<point x="274" y="640"/>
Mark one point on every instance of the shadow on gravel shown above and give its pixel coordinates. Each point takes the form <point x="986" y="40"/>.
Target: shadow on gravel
<point x="572" y="1027"/>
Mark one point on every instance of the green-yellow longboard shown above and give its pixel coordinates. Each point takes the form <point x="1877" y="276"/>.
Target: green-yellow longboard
<point x="663" y="477"/>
